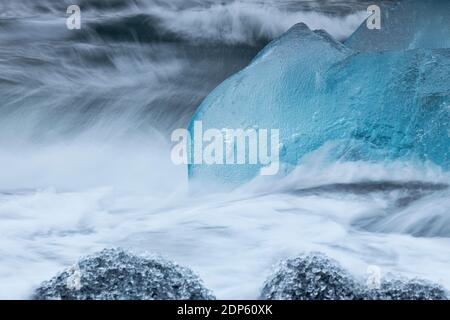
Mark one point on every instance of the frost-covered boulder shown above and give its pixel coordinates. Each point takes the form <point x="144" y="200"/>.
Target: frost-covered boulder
<point x="310" y="277"/>
<point x="115" y="274"/>
<point x="404" y="289"/>
<point x="314" y="276"/>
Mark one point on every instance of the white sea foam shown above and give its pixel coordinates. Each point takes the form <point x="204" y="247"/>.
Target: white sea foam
<point x="230" y="239"/>
<point x="246" y="22"/>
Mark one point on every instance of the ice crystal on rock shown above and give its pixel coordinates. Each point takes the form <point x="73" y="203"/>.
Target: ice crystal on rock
<point x="115" y="274"/>
<point x="316" y="277"/>
<point x="404" y="289"/>
<point x="310" y="277"/>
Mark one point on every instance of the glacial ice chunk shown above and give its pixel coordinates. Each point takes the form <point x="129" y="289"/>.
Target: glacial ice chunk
<point x="372" y="106"/>
<point x="409" y="24"/>
<point x="281" y="83"/>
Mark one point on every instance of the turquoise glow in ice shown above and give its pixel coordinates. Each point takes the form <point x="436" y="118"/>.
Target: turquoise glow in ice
<point x="368" y="102"/>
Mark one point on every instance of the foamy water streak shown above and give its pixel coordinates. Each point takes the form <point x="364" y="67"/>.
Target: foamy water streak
<point x="233" y="239"/>
<point x="230" y="22"/>
<point x="243" y="22"/>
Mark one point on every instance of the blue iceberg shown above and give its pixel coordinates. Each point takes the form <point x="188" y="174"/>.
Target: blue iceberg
<point x="364" y="101"/>
<point x="409" y="24"/>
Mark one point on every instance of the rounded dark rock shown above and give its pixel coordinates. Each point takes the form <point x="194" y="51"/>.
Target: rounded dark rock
<point x="406" y="289"/>
<point x="115" y="274"/>
<point x="314" y="276"/>
<point x="310" y="277"/>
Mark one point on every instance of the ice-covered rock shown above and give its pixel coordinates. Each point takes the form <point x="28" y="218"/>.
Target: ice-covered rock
<point x="404" y="289"/>
<point x="310" y="277"/>
<point x="372" y="106"/>
<point x="409" y="24"/>
<point x="315" y="276"/>
<point x="115" y="274"/>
